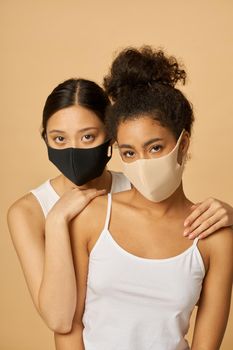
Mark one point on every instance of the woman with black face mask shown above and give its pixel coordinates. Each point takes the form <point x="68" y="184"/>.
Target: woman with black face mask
<point x="78" y="145"/>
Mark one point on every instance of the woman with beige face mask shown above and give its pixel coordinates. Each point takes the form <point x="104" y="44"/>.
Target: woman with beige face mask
<point x="138" y="278"/>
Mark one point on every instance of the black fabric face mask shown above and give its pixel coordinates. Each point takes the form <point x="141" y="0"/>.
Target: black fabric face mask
<point x="81" y="165"/>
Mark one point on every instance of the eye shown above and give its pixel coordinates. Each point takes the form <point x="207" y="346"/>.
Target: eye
<point x="128" y="154"/>
<point x="156" y="148"/>
<point x="59" y="139"/>
<point x="87" y="138"/>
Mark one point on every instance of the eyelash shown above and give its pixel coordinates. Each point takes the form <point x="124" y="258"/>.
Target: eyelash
<point x="125" y="154"/>
<point x="59" y="141"/>
<point x="87" y="140"/>
<point x="56" y="139"/>
<point x="157" y="147"/>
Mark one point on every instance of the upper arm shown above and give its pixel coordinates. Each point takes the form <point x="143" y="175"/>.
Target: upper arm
<point x="26" y="226"/>
<point x="214" y="304"/>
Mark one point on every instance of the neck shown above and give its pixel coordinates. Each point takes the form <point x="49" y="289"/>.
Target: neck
<point x="177" y="202"/>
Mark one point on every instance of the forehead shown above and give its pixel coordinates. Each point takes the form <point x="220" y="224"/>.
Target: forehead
<point x="74" y="118"/>
<point x="140" y="130"/>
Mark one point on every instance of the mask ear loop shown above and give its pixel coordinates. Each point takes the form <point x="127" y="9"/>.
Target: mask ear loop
<point x="185" y="156"/>
<point x="109" y="151"/>
<point x="178" y="145"/>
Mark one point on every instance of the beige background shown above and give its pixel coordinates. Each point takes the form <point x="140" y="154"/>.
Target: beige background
<point x="44" y="42"/>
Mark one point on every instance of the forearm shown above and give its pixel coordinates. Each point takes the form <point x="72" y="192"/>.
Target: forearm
<point x="209" y="336"/>
<point x="204" y="346"/>
<point x="72" y="340"/>
<point x="57" y="295"/>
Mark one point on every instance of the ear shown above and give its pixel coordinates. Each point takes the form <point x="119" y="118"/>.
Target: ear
<point x="183" y="148"/>
<point x="45" y="138"/>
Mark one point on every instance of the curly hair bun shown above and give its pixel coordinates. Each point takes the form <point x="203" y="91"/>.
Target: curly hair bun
<point x="135" y="68"/>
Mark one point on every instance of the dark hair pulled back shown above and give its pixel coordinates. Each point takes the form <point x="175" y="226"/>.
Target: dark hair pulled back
<point x="142" y="82"/>
<point x="71" y="92"/>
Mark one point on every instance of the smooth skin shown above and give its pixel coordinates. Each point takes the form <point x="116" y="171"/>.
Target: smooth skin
<point x="132" y="223"/>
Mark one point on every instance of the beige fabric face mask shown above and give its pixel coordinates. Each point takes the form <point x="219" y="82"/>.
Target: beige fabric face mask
<point x="158" y="178"/>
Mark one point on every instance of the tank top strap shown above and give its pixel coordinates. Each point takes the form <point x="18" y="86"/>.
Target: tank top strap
<point x="108" y="215"/>
<point x="195" y="241"/>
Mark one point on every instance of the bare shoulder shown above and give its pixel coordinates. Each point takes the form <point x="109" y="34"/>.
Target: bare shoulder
<point x="92" y="218"/>
<point x="219" y="245"/>
<point x="95" y="207"/>
<point x="220" y="240"/>
<point x="90" y="222"/>
<point x="26" y="205"/>
<point x="25" y="210"/>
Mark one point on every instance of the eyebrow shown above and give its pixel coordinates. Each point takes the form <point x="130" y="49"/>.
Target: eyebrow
<point x="56" y="131"/>
<point x="156" y="139"/>
<point x="88" y="128"/>
<point x="63" y="132"/>
<point x="147" y="143"/>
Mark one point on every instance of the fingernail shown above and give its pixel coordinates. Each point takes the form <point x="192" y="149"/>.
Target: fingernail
<point x="191" y="236"/>
<point x="186" y="223"/>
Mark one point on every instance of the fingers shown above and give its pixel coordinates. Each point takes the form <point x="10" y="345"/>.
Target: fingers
<point x="73" y="202"/>
<point x="86" y="196"/>
<point x="93" y="193"/>
<point x="207" y="225"/>
<point x="205" y="217"/>
<point x="198" y="209"/>
<point x="81" y="200"/>
<point x="77" y="199"/>
<point x="212" y="229"/>
<point x="194" y="206"/>
<point x="89" y="192"/>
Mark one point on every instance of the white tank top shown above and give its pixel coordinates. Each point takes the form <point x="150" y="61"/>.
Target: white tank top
<point x="135" y="303"/>
<point x="47" y="196"/>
